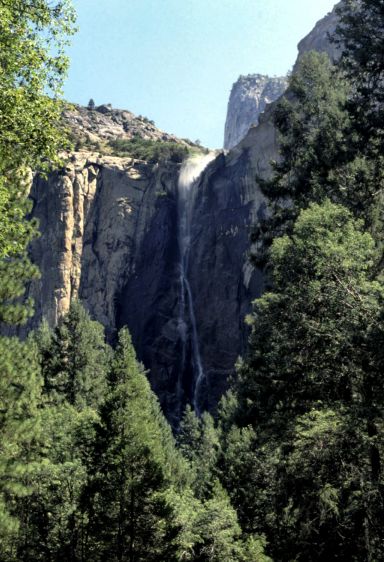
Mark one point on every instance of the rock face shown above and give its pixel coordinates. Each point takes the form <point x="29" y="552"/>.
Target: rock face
<point x="318" y="38"/>
<point x="109" y="236"/>
<point x="93" y="219"/>
<point x="249" y="97"/>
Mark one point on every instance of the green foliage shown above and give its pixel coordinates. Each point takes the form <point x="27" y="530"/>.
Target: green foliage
<point x="302" y="432"/>
<point x="150" y="150"/>
<point x="310" y="120"/>
<point x="312" y="386"/>
<point x="359" y="36"/>
<point x="321" y="154"/>
<point x="208" y="531"/>
<point x="308" y="472"/>
<point x="218" y="528"/>
<point x="33" y="65"/>
<point x="20" y="394"/>
<point x="52" y="522"/>
<point x="77" y="360"/>
<point x="89" y="469"/>
<point x="247" y="476"/>
<point x="199" y="443"/>
<point x="32" y="60"/>
<point x="130" y="511"/>
<point x="323" y="307"/>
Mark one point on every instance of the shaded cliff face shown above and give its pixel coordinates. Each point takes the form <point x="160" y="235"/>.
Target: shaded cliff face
<point x="249" y="97"/>
<point x="222" y="282"/>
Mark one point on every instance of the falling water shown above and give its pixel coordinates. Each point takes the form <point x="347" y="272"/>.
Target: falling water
<point x="188" y="180"/>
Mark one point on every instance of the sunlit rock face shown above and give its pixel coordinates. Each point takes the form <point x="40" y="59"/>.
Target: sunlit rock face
<point x="249" y="97"/>
<point x="105" y="123"/>
<point x="94" y="216"/>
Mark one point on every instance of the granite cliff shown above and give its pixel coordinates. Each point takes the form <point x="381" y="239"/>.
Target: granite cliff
<point x="110" y="236"/>
<point x="252" y="94"/>
<point x="248" y="99"/>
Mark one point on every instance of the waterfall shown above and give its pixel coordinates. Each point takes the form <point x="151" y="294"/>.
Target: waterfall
<point x="190" y="174"/>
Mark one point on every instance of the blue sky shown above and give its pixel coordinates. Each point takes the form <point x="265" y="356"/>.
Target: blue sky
<point x="174" y="61"/>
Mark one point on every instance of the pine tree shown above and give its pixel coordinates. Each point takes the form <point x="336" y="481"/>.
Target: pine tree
<point x="245" y="470"/>
<point x="320" y="156"/>
<point x="74" y="360"/>
<point x="20" y="399"/>
<point x="208" y="531"/>
<point x="53" y="524"/>
<point x="359" y="36"/>
<point x="199" y="443"/>
<point x="77" y="360"/>
<point x="129" y="511"/>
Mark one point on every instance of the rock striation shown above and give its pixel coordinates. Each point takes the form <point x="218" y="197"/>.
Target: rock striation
<point x="249" y="97"/>
<point x="109" y="236"/>
<point x="93" y="218"/>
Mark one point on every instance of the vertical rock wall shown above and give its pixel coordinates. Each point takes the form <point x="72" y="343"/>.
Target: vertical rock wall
<point x="249" y="97"/>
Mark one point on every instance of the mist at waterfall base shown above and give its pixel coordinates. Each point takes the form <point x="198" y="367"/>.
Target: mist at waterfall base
<point x="188" y="185"/>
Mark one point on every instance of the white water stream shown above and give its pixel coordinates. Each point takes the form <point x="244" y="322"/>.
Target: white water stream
<point x="190" y="174"/>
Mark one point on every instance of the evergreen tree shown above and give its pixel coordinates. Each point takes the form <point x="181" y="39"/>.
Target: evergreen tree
<point x="77" y="360"/>
<point x="320" y="156"/>
<point x="323" y="300"/>
<point x="53" y="524"/>
<point x="311" y="120"/>
<point x="208" y="531"/>
<point x="20" y="397"/>
<point x="360" y="38"/>
<point x="199" y="443"/>
<point x="245" y="470"/>
<point x="312" y="393"/>
<point x="129" y="511"/>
